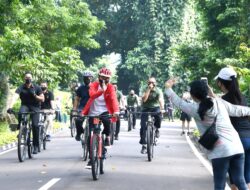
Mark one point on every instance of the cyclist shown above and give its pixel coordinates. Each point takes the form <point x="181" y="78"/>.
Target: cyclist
<point x="152" y="101"/>
<point x="121" y="106"/>
<point x="31" y="96"/>
<point x="47" y="105"/>
<point x="102" y="101"/>
<point x="81" y="98"/>
<point x="132" y="102"/>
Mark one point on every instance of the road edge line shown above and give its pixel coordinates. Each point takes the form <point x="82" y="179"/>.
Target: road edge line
<point x="6" y="151"/>
<point x="204" y="162"/>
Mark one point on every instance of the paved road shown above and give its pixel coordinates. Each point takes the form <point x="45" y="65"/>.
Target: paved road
<point x="174" y="167"/>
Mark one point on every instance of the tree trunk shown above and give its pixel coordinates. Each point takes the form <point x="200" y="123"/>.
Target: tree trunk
<point x="4" y="91"/>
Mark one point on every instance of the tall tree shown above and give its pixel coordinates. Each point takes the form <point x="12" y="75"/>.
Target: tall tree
<point x="158" y="22"/>
<point x="41" y="36"/>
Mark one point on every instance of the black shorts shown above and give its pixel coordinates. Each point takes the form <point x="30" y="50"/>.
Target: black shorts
<point x="185" y="116"/>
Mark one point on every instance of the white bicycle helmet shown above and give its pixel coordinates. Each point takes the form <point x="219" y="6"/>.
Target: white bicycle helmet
<point x="87" y="74"/>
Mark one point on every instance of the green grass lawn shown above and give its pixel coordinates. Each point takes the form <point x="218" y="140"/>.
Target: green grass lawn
<point x="6" y="136"/>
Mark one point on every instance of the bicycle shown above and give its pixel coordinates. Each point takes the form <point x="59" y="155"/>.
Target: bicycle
<point x="151" y="139"/>
<point x="42" y="130"/>
<point x="130" y="116"/>
<point x="112" y="132"/>
<point x="24" y="143"/>
<point x="84" y="137"/>
<point x="72" y="124"/>
<point x="97" y="149"/>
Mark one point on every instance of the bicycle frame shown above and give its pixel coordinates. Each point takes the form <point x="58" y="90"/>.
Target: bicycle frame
<point x="96" y="131"/>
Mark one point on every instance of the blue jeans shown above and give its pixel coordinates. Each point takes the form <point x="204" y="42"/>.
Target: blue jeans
<point x="233" y="163"/>
<point x="246" y="145"/>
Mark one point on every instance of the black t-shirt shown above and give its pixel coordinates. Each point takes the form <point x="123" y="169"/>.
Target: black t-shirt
<point x="83" y="93"/>
<point x="241" y="124"/>
<point x="26" y="95"/>
<point x="48" y="97"/>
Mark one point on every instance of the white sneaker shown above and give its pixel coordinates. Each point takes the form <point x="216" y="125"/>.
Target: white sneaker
<point x="89" y="165"/>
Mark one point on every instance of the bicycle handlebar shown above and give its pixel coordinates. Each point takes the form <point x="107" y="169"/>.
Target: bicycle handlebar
<point x="108" y="116"/>
<point x="10" y="111"/>
<point x="151" y="113"/>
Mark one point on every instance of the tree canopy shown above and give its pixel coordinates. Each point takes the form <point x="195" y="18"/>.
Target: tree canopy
<point x="42" y="35"/>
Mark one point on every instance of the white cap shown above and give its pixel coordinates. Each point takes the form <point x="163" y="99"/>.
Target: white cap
<point x="226" y="74"/>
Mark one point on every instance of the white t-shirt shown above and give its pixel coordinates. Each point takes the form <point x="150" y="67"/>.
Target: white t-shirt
<point x="98" y="106"/>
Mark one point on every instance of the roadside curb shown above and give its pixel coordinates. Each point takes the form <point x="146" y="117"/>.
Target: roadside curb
<point x="10" y="146"/>
<point x="7" y="147"/>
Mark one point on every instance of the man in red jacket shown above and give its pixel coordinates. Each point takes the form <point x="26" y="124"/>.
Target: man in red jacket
<point x="102" y="101"/>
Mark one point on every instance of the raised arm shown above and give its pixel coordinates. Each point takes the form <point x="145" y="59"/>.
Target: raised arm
<point x="94" y="92"/>
<point x="236" y="110"/>
<point x="187" y="107"/>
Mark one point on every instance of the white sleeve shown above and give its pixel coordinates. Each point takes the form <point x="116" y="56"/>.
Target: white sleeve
<point x="188" y="107"/>
<point x="236" y="110"/>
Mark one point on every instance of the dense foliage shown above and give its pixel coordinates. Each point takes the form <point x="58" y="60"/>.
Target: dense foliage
<point x="189" y="39"/>
<point x="41" y="36"/>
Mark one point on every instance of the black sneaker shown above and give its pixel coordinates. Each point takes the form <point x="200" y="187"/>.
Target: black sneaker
<point x="116" y="137"/>
<point x="188" y="133"/>
<point x="142" y="142"/>
<point x="77" y="137"/>
<point x="182" y="133"/>
<point x="48" y="138"/>
<point x="107" y="142"/>
<point x="144" y="149"/>
<point x="157" y="133"/>
<point x="89" y="165"/>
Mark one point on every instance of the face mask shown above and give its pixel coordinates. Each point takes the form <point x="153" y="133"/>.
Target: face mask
<point x="106" y="81"/>
<point x="44" y="88"/>
<point x="86" y="81"/>
<point x="27" y="81"/>
<point x="101" y="81"/>
<point x="132" y="94"/>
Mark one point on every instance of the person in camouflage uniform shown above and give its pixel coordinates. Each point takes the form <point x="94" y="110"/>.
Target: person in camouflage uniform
<point x="121" y="106"/>
<point x="132" y="103"/>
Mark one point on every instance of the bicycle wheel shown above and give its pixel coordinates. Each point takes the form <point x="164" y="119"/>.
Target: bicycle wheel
<point x="153" y="142"/>
<point x="22" y="143"/>
<point x="86" y="137"/>
<point x="130" y="121"/>
<point x="112" y="133"/>
<point x="73" y="128"/>
<point x="95" y="161"/>
<point x="40" y="138"/>
<point x="149" y="141"/>
<point x="30" y="144"/>
<point x="44" y="140"/>
<point x="102" y="161"/>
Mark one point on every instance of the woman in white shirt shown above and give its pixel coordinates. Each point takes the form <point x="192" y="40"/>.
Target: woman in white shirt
<point x="227" y="152"/>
